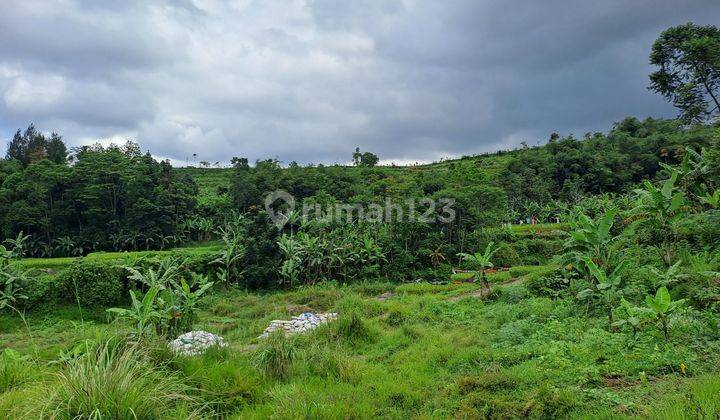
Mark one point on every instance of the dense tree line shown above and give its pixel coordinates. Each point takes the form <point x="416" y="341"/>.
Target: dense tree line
<point x="111" y="197"/>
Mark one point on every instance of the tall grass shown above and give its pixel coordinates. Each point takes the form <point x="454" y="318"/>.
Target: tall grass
<point x="14" y="371"/>
<point x="275" y="356"/>
<point x="700" y="401"/>
<point x="114" y="383"/>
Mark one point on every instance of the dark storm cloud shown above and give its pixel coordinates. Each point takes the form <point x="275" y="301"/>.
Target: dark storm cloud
<point x="309" y="80"/>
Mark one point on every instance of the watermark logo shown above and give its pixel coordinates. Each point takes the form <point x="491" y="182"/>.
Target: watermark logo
<point x="280" y="206"/>
<point x="284" y="202"/>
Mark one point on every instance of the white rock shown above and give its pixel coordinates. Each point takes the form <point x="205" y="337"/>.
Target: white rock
<point x="298" y="324"/>
<point x="195" y="342"/>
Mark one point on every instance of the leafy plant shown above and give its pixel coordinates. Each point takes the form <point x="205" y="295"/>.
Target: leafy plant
<point x="662" y="208"/>
<point x="142" y="312"/>
<point x="293" y="252"/>
<point x="635" y="317"/>
<point x="481" y="260"/>
<point x="668" y="277"/>
<point x="606" y="286"/>
<point x="18" y="244"/>
<point x="12" y="282"/>
<point x="590" y="239"/>
<point x="232" y="252"/>
<point x="663" y="306"/>
<point x="711" y="200"/>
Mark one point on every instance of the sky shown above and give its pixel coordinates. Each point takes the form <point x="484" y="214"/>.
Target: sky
<point x="310" y="80"/>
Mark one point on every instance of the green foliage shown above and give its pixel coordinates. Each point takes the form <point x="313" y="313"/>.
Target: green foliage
<point x="15" y="370"/>
<point x="663" y="306"/>
<point x="634" y="316"/>
<point x="606" y="286"/>
<point x="590" y="240"/>
<point x="233" y="251"/>
<point x="94" y="283"/>
<point x="661" y="208"/>
<point x="111" y="198"/>
<point x="142" y="313"/>
<point x="689" y="75"/>
<point x="481" y="261"/>
<point x="170" y="304"/>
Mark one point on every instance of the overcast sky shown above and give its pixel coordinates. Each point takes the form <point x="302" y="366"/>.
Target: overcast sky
<point x="308" y="80"/>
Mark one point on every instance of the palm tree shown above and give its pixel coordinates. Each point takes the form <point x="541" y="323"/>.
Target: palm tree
<point x="436" y="257"/>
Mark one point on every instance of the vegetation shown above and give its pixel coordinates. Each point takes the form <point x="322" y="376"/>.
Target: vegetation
<point x="577" y="279"/>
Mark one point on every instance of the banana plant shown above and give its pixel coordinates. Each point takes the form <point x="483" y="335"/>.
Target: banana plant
<point x="142" y="313"/>
<point x="231" y="254"/>
<point x="663" y="306"/>
<point x="711" y="200"/>
<point x="635" y="316"/>
<point x="436" y="257"/>
<point x="668" y="277"/>
<point x="161" y="277"/>
<point x="591" y="239"/>
<point x="662" y="208"/>
<point x="18" y="244"/>
<point x="606" y="287"/>
<point x="12" y="282"/>
<point x="178" y="304"/>
<point x="481" y="260"/>
<point x="294" y="255"/>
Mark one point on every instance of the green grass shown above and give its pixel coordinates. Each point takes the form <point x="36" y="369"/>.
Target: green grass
<point x="420" y="353"/>
<point x="61" y="263"/>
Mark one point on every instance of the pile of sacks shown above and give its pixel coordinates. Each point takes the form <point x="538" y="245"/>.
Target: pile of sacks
<point x="299" y="324"/>
<point x="195" y="343"/>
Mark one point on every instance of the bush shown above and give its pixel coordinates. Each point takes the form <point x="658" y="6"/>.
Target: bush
<point x="43" y="290"/>
<point x="544" y="283"/>
<point x="702" y="229"/>
<point x="506" y="256"/>
<point x="95" y="283"/>
<point x="352" y="327"/>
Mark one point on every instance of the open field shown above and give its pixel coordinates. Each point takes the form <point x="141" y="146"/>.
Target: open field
<point x="422" y="351"/>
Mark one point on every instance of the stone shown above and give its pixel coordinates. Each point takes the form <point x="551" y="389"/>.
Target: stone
<point x="194" y="343"/>
<point x="299" y="324"/>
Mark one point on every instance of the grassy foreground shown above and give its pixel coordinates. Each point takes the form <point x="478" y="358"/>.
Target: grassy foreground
<point x="421" y="351"/>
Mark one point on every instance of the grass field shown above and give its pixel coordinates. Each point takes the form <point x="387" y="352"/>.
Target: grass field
<point x="423" y="351"/>
<point x="60" y="263"/>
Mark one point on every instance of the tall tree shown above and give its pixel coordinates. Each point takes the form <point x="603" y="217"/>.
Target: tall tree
<point x="56" y="150"/>
<point x="689" y="75"/>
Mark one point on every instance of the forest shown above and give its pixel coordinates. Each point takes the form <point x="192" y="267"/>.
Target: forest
<point x="578" y="278"/>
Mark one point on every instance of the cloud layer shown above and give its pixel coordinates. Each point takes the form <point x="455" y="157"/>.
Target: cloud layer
<point x="308" y="80"/>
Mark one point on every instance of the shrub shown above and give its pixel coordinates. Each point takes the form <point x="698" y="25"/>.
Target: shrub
<point x="113" y="382"/>
<point x="549" y="402"/>
<point x="506" y="256"/>
<point x="93" y="283"/>
<point x="702" y="229"/>
<point x="542" y="283"/>
<point x="43" y="290"/>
